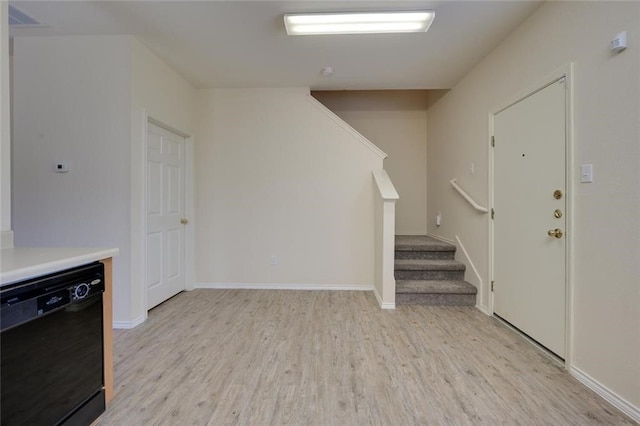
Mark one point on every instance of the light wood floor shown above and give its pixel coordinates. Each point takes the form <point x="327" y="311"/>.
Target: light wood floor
<point x="259" y="357"/>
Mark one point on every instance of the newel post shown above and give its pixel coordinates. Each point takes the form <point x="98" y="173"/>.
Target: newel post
<point x="385" y="223"/>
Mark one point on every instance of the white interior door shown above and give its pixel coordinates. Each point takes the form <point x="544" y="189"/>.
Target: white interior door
<point x="165" y="211"/>
<point x="530" y="264"/>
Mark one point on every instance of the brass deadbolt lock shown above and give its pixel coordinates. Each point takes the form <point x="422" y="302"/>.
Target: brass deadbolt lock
<point x="557" y="194"/>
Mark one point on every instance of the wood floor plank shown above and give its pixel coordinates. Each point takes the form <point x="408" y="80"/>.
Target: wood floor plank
<point x="258" y="357"/>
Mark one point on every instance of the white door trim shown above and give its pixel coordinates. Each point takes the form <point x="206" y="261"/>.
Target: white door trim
<point x="139" y="207"/>
<point x="565" y="72"/>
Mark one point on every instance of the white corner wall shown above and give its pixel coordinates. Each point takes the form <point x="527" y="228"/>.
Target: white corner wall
<point x="606" y="225"/>
<point x="6" y="237"/>
<point x="85" y="101"/>
<point x="157" y="92"/>
<point x="71" y="104"/>
<point x="275" y="176"/>
<point x="396" y="122"/>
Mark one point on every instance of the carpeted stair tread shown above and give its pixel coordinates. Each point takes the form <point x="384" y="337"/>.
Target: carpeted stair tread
<point x="428" y="265"/>
<point x="427" y="273"/>
<point x="434" y="287"/>
<point x="421" y="243"/>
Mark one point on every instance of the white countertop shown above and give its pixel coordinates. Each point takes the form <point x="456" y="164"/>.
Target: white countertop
<point x="21" y="263"/>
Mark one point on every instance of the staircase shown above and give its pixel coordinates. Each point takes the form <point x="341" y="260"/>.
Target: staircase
<point x="427" y="274"/>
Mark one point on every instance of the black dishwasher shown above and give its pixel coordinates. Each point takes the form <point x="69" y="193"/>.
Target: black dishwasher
<point x="52" y="349"/>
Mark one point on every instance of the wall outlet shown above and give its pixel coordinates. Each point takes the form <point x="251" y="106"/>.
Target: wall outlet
<point x="274" y="259"/>
<point x="61" y="168"/>
<point x="439" y="219"/>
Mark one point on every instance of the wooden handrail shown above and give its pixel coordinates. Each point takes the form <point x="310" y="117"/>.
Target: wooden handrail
<point x="466" y="196"/>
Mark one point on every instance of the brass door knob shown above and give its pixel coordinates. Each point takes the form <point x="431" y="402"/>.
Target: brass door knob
<point x="555" y="233"/>
<point x="184" y="221"/>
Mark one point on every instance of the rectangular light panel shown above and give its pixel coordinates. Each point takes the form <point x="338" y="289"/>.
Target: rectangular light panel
<point x="358" y="23"/>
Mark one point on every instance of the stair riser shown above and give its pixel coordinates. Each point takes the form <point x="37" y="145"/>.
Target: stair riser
<point x="430" y="275"/>
<point x="431" y="255"/>
<point x="436" y="299"/>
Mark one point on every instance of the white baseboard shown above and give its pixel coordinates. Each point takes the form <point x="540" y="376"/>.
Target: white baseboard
<point x="264" y="286"/>
<point x="469" y="263"/>
<point x="379" y="299"/>
<point x="477" y="282"/>
<point x="444" y="240"/>
<point x="127" y="325"/>
<point x="6" y="239"/>
<point x="614" y="399"/>
<point x="484" y="310"/>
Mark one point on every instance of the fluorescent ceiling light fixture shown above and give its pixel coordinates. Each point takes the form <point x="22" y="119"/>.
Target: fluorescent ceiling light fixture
<point x="358" y="22"/>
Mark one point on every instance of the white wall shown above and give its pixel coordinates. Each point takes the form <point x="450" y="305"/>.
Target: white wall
<point x="606" y="226"/>
<point x="72" y="103"/>
<point x="276" y="176"/>
<point x="5" y="135"/>
<point x="84" y="101"/>
<point x="396" y="122"/>
<point x="157" y="92"/>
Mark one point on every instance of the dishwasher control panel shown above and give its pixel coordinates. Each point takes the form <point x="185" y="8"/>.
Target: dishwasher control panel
<point x="27" y="300"/>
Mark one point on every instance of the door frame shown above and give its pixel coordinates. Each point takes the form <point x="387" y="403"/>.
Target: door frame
<point x="139" y="301"/>
<point x="565" y="72"/>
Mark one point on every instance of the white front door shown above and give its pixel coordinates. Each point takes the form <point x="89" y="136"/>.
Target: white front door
<point x="165" y="210"/>
<point x="530" y="205"/>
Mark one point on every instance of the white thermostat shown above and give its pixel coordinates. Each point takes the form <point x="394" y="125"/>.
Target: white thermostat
<point x="619" y="42"/>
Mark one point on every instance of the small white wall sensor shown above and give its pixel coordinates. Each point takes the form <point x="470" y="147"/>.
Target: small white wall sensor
<point x="62" y="168"/>
<point x="619" y="42"/>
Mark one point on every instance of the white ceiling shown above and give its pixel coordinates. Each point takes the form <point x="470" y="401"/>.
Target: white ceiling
<point x="244" y="44"/>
